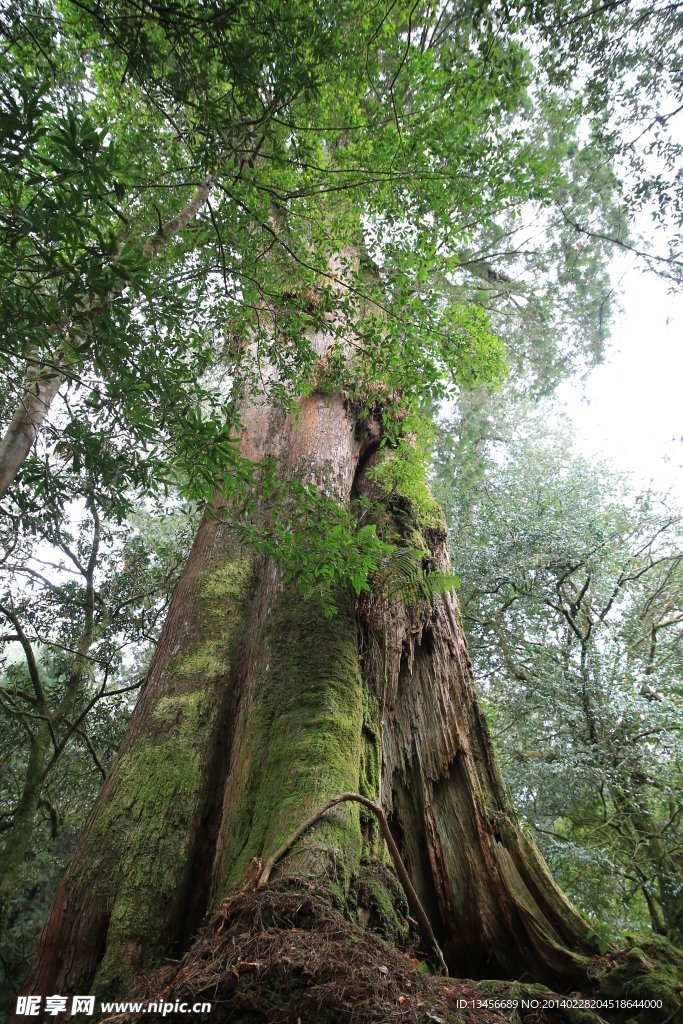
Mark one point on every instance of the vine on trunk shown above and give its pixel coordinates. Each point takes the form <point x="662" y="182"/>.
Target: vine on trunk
<point x="413" y="900"/>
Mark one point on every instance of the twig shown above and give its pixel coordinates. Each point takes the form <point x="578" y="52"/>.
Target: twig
<point x="413" y="900"/>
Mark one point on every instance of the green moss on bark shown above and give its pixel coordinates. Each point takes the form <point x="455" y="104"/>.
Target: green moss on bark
<point x="23" y="819"/>
<point x="149" y="825"/>
<point x="222" y="592"/>
<point x="369" y="775"/>
<point x="300" y="728"/>
<point x="380" y="895"/>
<point x="143" y="837"/>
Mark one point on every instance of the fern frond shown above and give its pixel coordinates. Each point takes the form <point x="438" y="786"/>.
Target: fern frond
<point x="403" y="575"/>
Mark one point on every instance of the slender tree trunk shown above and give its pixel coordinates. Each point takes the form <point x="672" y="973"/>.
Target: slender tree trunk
<point x="23" y="821"/>
<point x="644" y="834"/>
<point x="39" y="392"/>
<point x="43" y="739"/>
<point x="42" y="384"/>
<point x="255" y="711"/>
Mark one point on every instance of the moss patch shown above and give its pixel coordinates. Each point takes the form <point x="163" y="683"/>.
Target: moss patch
<point x="300" y="730"/>
<point x="222" y="591"/>
<point x="369" y="775"/>
<point x="645" y="969"/>
<point x="143" y="835"/>
<point x="380" y="895"/>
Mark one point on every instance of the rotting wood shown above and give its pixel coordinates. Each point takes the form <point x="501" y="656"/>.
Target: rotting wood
<point x="491" y="898"/>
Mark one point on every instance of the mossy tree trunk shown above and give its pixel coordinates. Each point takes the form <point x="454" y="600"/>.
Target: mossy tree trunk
<point x="23" y="820"/>
<point x="493" y="904"/>
<point x="256" y="710"/>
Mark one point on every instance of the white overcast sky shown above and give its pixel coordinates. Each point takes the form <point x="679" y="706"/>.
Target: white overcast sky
<point x="629" y="411"/>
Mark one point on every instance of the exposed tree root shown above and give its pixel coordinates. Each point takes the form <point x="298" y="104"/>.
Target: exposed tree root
<point x="285" y="955"/>
<point x="416" y="908"/>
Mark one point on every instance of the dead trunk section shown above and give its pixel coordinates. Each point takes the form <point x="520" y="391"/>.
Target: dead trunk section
<point x="494" y="906"/>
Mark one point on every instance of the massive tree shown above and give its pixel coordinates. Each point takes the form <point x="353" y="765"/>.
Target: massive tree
<point x="322" y="176"/>
<point x="257" y="708"/>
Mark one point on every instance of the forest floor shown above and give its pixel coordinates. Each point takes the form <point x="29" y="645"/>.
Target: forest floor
<point x="285" y="955"/>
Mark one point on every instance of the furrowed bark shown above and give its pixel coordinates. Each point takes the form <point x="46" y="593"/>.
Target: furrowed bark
<point x="124" y="896"/>
<point x="300" y="716"/>
<point x="494" y="906"/>
<point x="42" y="384"/>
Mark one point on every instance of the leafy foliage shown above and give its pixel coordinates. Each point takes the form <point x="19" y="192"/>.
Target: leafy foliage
<point x="135" y="570"/>
<point x="311" y="138"/>
<point x="409" y="577"/>
<point x="192" y="197"/>
<point x="572" y="601"/>
<point x="628" y="58"/>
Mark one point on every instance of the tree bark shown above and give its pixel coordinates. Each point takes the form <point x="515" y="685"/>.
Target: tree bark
<point x="39" y="392"/>
<point x="23" y="821"/>
<point x="251" y="714"/>
<point x="256" y="710"/>
<point x="494" y="906"/>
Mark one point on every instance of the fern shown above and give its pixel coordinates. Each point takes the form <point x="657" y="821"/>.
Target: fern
<point x="404" y="576"/>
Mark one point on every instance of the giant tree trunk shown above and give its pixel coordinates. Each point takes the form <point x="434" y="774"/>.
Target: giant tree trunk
<point x="489" y="894"/>
<point x="257" y="709"/>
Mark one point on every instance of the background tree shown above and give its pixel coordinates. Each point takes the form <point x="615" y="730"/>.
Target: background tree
<point x="571" y="598"/>
<point x="82" y="610"/>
